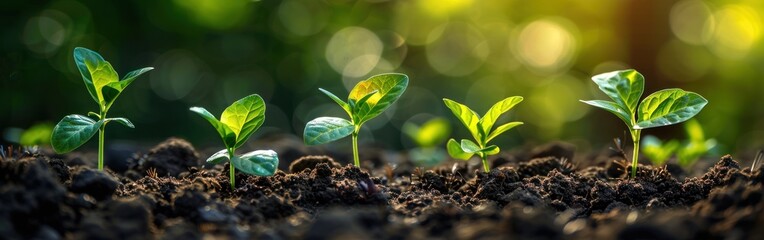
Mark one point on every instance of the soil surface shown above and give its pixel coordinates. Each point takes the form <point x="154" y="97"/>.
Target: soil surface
<point x="167" y="193"/>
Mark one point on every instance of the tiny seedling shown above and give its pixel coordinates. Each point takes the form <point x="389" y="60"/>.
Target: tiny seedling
<point x="237" y="123"/>
<point x="657" y="151"/>
<point x="661" y="108"/>
<point x="481" y="129"/>
<point x="368" y="99"/>
<point x="696" y="145"/>
<point x="104" y="87"/>
<point x="427" y="138"/>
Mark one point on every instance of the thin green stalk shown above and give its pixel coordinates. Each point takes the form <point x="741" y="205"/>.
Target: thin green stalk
<point x="231" y="170"/>
<point x="484" y="157"/>
<point x="100" y="146"/>
<point x="635" y="156"/>
<point x="356" y="160"/>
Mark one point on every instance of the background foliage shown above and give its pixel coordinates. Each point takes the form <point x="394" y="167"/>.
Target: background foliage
<point x="212" y="52"/>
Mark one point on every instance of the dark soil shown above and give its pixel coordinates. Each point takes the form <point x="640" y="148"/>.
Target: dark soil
<point x="542" y="194"/>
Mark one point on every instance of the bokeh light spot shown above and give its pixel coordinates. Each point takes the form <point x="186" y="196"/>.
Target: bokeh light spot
<point x="45" y="33"/>
<point x="353" y="51"/>
<point x="443" y="8"/>
<point x="545" y="45"/>
<point x="302" y="18"/>
<point x="738" y="27"/>
<point x="214" y="13"/>
<point x="691" y="21"/>
<point x="177" y="73"/>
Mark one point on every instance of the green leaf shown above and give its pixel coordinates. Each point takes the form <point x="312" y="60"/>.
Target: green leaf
<point x="84" y="57"/>
<point x="244" y="117"/>
<point x="490" y="117"/>
<point x="389" y="88"/>
<point x="258" y="163"/>
<point x="668" y="106"/>
<point x="219" y="157"/>
<point x="336" y="99"/>
<point x="657" y="151"/>
<point x="501" y="129"/>
<point x="73" y="131"/>
<point x="131" y="76"/>
<point x="468" y="117"/>
<point x="694" y="131"/>
<point x="104" y="76"/>
<point x="625" y="87"/>
<point x="430" y="134"/>
<point x="38" y="134"/>
<point x="455" y="150"/>
<point x="326" y="129"/>
<point x="491" y="150"/>
<point x="612" y="108"/>
<point x="123" y="121"/>
<point x="226" y="134"/>
<point x="469" y="146"/>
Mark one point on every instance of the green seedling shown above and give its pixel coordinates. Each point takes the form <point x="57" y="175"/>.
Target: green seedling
<point x="661" y="108"/>
<point x="36" y="135"/>
<point x="481" y="129"/>
<point x="104" y="86"/>
<point x="696" y="145"/>
<point x="657" y="151"/>
<point x="427" y="138"/>
<point x="368" y="99"/>
<point x="237" y="123"/>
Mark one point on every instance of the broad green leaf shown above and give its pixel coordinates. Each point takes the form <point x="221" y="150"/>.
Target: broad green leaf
<point x="84" y="57"/>
<point x="73" y="131"/>
<point x="112" y="90"/>
<point x="258" y="163"/>
<point x="490" y="117"/>
<point x="612" y="108"/>
<point x="219" y="157"/>
<point x="123" y="121"/>
<point x="226" y="134"/>
<point x="389" y="88"/>
<point x="430" y="134"/>
<point x="326" y="129"/>
<point x="103" y="75"/>
<point x="360" y="105"/>
<point x="625" y="87"/>
<point x="668" y="106"/>
<point x="455" y="150"/>
<point x="244" y="117"/>
<point x="469" y="146"/>
<point x="491" y="150"/>
<point x="336" y="99"/>
<point x="501" y="129"/>
<point x="468" y="117"/>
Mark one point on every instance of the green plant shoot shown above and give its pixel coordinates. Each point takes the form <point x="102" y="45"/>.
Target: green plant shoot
<point x="368" y="99"/>
<point x="657" y="151"/>
<point x="481" y="129"/>
<point x="237" y="123"/>
<point x="661" y="108"/>
<point x="427" y="138"/>
<point x="104" y="86"/>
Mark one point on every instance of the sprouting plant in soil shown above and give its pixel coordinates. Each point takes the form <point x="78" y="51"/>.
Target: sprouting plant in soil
<point x="661" y="108"/>
<point x="104" y="86"/>
<point x="237" y="123"/>
<point x="481" y="129"/>
<point x="687" y="152"/>
<point x="428" y="137"/>
<point x="366" y="100"/>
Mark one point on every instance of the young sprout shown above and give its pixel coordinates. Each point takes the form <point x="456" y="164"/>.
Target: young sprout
<point x="427" y="138"/>
<point x="664" y="107"/>
<point x="696" y="146"/>
<point x="368" y="99"/>
<point x="657" y="151"/>
<point x="104" y="87"/>
<point x="237" y="123"/>
<point x="481" y="129"/>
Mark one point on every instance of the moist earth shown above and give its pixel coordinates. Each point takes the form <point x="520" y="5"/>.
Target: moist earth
<point x="541" y="193"/>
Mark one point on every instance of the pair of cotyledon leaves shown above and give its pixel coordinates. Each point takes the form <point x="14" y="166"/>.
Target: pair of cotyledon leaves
<point x="664" y="107"/>
<point x="237" y="123"/>
<point x="481" y="128"/>
<point x="366" y="100"/>
<point x="104" y="86"/>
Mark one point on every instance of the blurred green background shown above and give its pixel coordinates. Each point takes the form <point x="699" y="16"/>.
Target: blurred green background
<point x="211" y="52"/>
